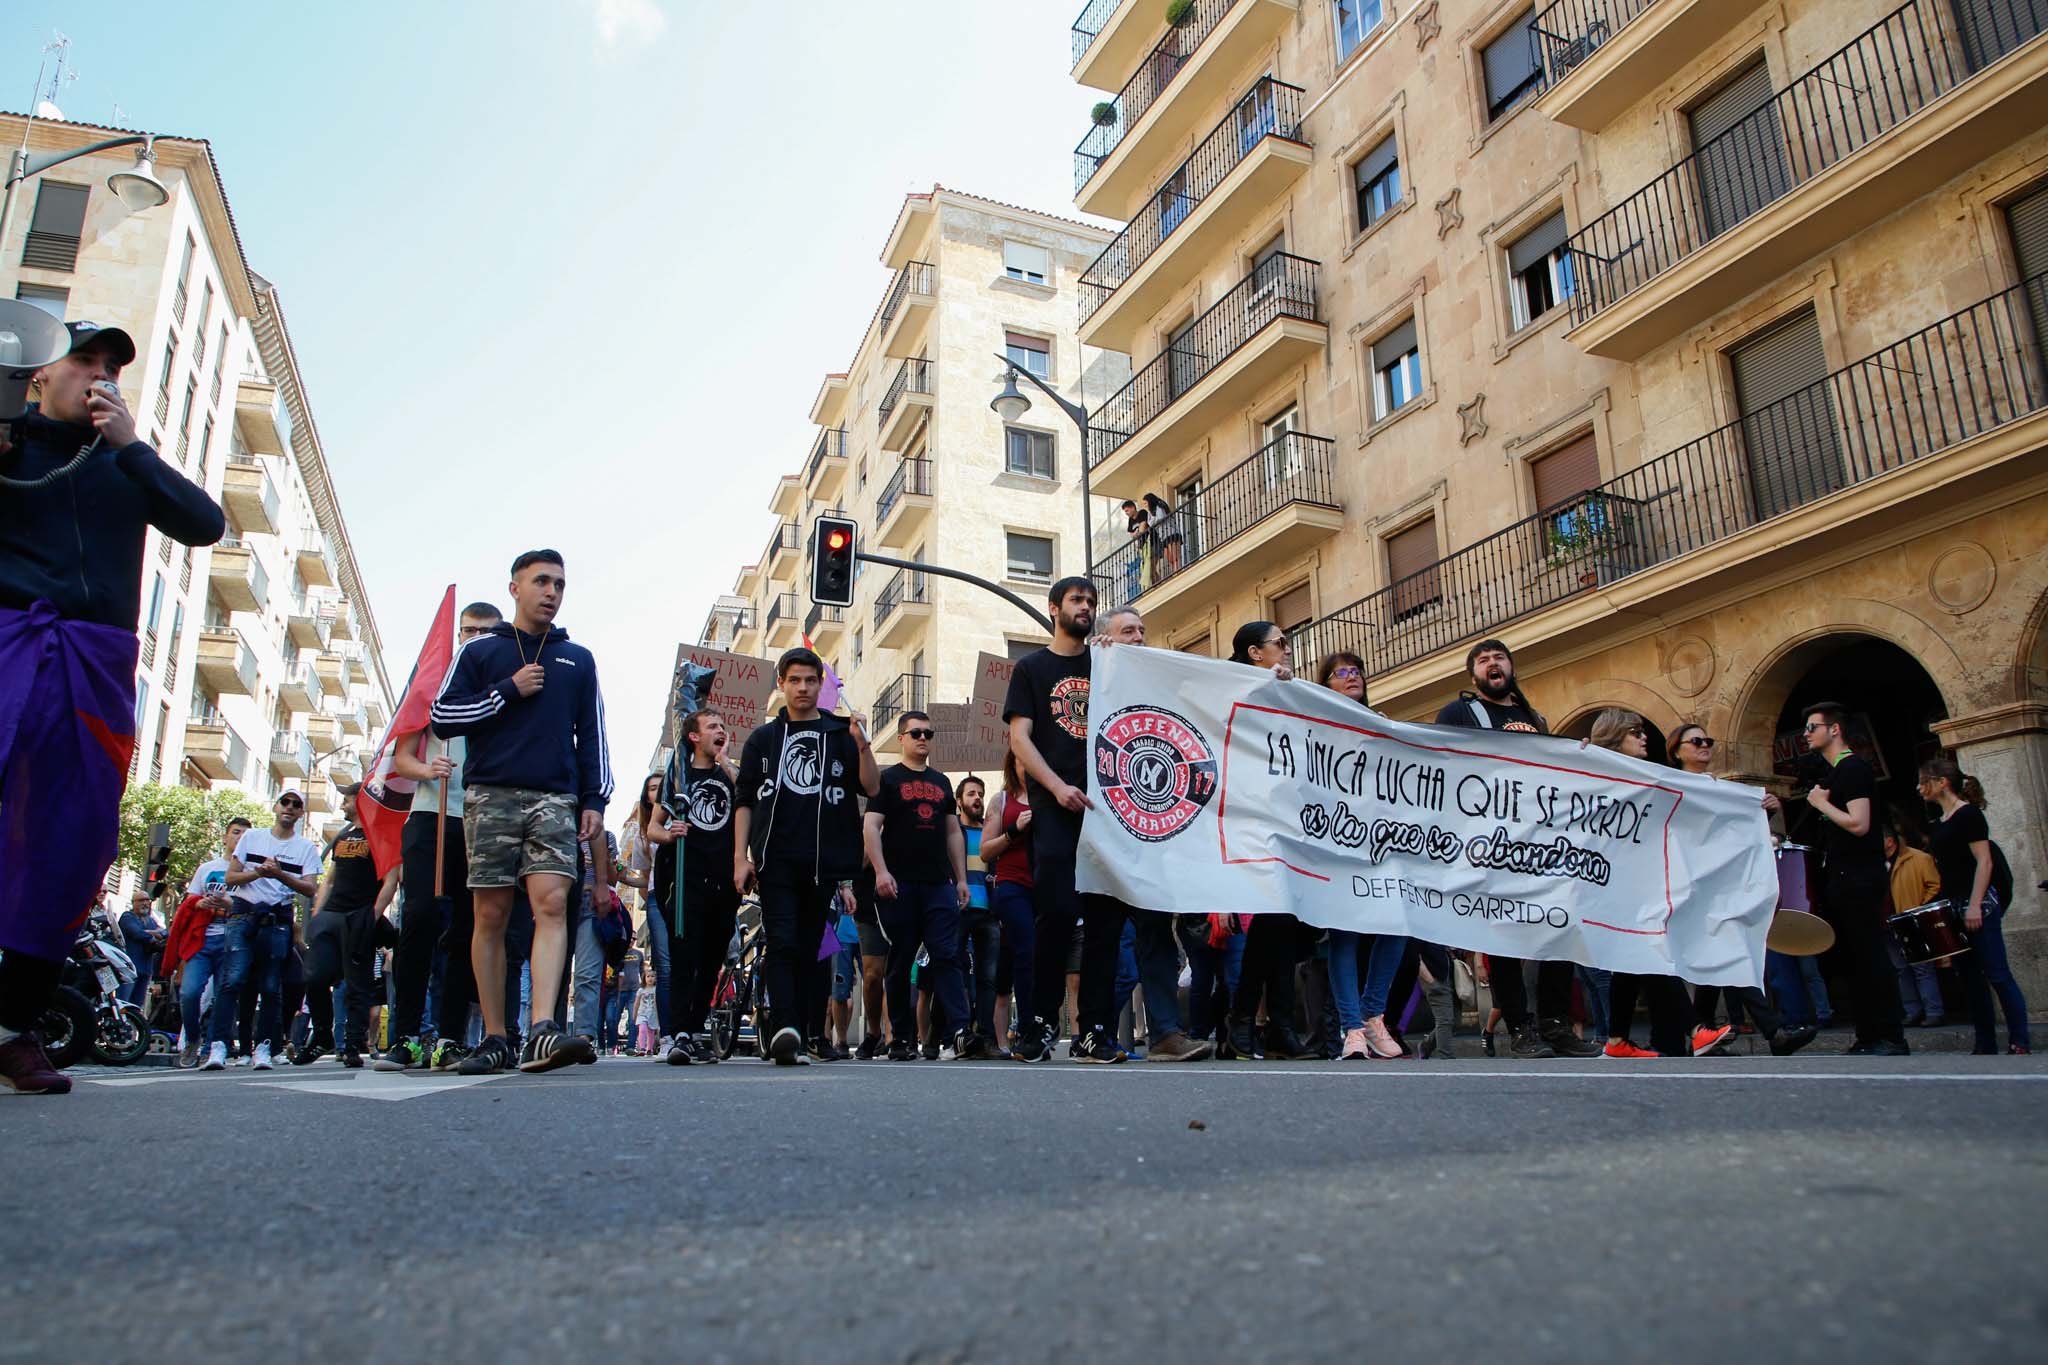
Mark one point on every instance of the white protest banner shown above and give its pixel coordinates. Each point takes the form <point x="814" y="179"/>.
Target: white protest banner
<point x="1218" y="789"/>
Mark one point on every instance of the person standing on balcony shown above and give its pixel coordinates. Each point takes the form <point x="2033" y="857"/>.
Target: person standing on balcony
<point x="78" y="494"/>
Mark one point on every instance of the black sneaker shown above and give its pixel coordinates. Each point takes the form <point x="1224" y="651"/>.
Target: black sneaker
<point x="1791" y="1038"/>
<point x="303" y="1055"/>
<point x="490" y="1057"/>
<point x="1098" y="1047"/>
<point x="902" y="1051"/>
<point x="702" y="1052"/>
<point x="821" y="1050"/>
<point x="1033" y="1043"/>
<point x="1527" y="1043"/>
<point x="869" y="1046"/>
<point x="1564" y="1043"/>
<point x="786" y="1048"/>
<point x="678" y="1053"/>
<point x="1244" y="1043"/>
<point x="448" y="1055"/>
<point x="351" y="1058"/>
<point x="1283" y="1044"/>
<point x="548" y="1048"/>
<point x="402" y="1055"/>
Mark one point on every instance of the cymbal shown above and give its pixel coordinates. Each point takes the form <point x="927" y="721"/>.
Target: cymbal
<point x="1798" y="934"/>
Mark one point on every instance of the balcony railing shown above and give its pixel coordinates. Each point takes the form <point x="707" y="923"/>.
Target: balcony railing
<point x="1295" y="468"/>
<point x="782" y="607"/>
<point x="905" y="586"/>
<point x="1887" y="74"/>
<point x="821" y="615"/>
<point x="783" y="539"/>
<point x="1143" y="89"/>
<point x="906" y="692"/>
<point x="831" y="446"/>
<point x="1570" y="31"/>
<point x="911" y="476"/>
<point x="912" y="376"/>
<point x="1094" y="15"/>
<point x="1281" y="286"/>
<point x="1268" y="109"/>
<point x="917" y="277"/>
<point x="1968" y="374"/>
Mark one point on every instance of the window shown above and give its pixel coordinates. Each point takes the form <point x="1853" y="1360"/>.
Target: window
<point x="1412" y="569"/>
<point x="141" y="700"/>
<point x="1292" y="610"/>
<point x="56" y="227"/>
<point x="2026" y="218"/>
<point x="1396" y="371"/>
<point x="1512" y="72"/>
<point x="163" y="383"/>
<point x="1018" y="649"/>
<point x="185" y="418"/>
<point x="1540" y="271"/>
<point x="1029" y="353"/>
<point x="205" y="313"/>
<point x="1283" y="456"/>
<point x="1023" y="261"/>
<point x="185" y="264"/>
<point x="1186" y="366"/>
<point x="859" y="645"/>
<point x="861" y="474"/>
<point x="1377" y="177"/>
<point x="43" y="296"/>
<point x="1030" y="557"/>
<point x="205" y="443"/>
<point x="1566" y="472"/>
<point x="1788" y="420"/>
<point x="1355" y="19"/>
<point x="1030" y="453"/>
<point x="156" y="603"/>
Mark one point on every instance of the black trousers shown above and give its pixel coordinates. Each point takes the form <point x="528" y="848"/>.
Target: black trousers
<point x="793" y="909"/>
<point x="1854" y="902"/>
<point x="427" y="927"/>
<point x="1553" y="990"/>
<point x="981" y="952"/>
<point x="1270" y="952"/>
<point x="697" y="942"/>
<point x="1670" y="1010"/>
<point x="341" y="946"/>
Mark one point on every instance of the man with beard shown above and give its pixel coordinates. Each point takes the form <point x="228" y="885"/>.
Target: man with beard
<point x="692" y="834"/>
<point x="1497" y="703"/>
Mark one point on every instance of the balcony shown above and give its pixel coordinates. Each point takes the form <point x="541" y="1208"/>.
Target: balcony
<point x="319" y="793"/>
<point x="1234" y="175"/>
<point x="1900" y="110"/>
<point x="315" y="565"/>
<point x="904" y="405"/>
<point x="903" y="608"/>
<point x="332" y="672"/>
<point x="291" y="754"/>
<point x="340" y="620"/>
<point x="1191" y="69"/>
<point x="825" y="475"/>
<point x="225" y="664"/>
<point x="907" y="311"/>
<point x="214" y="749"/>
<point x="355" y="670"/>
<point x="236" y="577"/>
<point x="325" y="732"/>
<point x="825" y="625"/>
<point x="373" y="711"/>
<point x="905" y="692"/>
<point x="1877" y="448"/>
<point x="780" y="559"/>
<point x="352" y="722"/>
<point x="345" y="768"/>
<point x="1260" y="514"/>
<point x="905" y="504"/>
<point x="1266" y="324"/>
<point x="261" y="417"/>
<point x="248" y="497"/>
<point x="301" y="689"/>
<point x="304" y="626"/>
<point x="1601" y="56"/>
<point x="1110" y="35"/>
<point x="789" y="496"/>
<point x="779" y="629"/>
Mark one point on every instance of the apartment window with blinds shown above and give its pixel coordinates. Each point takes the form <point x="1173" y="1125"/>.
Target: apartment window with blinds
<point x="1396" y="371"/>
<point x="1377" y="178"/>
<point x="1292" y="610"/>
<point x="1029" y="353"/>
<point x="1030" y="453"/>
<point x="1023" y="261"/>
<point x="56" y="227"/>
<point x="163" y="383"/>
<point x="1030" y="557"/>
<point x="2026" y="218"/>
<point x="51" y="300"/>
<point x="1018" y="649"/>
<point x="1512" y="72"/>
<point x="859" y="645"/>
<point x="1412" y="569"/>
<point x="1355" y="19"/>
<point x="1566" y="472"/>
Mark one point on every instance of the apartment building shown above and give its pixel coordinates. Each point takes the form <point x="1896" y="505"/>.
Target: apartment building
<point x="1692" y="346"/>
<point x="260" y="663"/>
<point x="908" y="446"/>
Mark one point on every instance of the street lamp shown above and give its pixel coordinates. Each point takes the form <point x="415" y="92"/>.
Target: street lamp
<point x="1012" y="403"/>
<point x="137" y="187"/>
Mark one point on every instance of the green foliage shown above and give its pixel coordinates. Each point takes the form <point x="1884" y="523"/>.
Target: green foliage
<point x="1179" y="12"/>
<point x="1104" y="114"/>
<point x="1596" y="523"/>
<point x="196" y="818"/>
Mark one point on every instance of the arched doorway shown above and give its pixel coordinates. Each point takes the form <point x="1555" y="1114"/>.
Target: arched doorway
<point x="1581" y="727"/>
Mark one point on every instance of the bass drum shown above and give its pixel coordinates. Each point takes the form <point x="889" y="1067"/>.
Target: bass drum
<point x="122" y="1036"/>
<point x="67" y="1027"/>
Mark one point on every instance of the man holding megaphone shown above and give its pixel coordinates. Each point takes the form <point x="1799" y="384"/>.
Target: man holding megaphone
<point x="78" y="493"/>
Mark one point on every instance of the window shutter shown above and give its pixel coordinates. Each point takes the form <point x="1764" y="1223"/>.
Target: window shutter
<point x="1788" y="419"/>
<point x="1293" y="609"/>
<point x="1413" y="553"/>
<point x="2028" y="219"/>
<point x="1546" y="237"/>
<point x="1779" y="363"/>
<point x="1377" y="162"/>
<point x="1393" y="345"/>
<point x="1027" y="259"/>
<point x="1509" y="59"/>
<point x="1027" y="343"/>
<point x="1731" y="104"/>
<point x="1565" y="473"/>
<point x="56" y="227"/>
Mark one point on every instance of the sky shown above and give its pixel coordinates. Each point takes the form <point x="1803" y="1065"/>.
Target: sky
<point x="568" y="273"/>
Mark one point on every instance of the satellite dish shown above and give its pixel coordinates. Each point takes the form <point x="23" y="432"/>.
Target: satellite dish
<point x="45" y="109"/>
<point x="29" y="340"/>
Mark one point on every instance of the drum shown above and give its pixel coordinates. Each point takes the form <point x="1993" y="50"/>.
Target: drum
<point x="1798" y="934"/>
<point x="1930" y="931"/>
<point x="1798" y="875"/>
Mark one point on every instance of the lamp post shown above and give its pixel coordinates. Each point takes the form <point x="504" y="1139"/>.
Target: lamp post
<point x="136" y="187"/>
<point x="1012" y="403"/>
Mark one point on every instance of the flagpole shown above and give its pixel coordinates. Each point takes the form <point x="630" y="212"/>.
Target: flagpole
<point x="441" y="815"/>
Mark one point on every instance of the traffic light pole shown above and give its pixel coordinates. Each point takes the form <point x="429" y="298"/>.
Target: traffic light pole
<point x="1000" y="591"/>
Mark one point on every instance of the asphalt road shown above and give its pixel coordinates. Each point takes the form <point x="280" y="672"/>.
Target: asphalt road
<point x="1821" y="1208"/>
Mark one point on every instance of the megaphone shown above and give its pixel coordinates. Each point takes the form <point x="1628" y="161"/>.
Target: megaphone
<point x="29" y="340"/>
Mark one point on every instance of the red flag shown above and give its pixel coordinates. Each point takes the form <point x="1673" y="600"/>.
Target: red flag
<point x="386" y="798"/>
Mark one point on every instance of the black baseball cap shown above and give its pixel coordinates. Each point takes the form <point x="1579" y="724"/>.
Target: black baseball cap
<point x="349" y="788"/>
<point x="113" y="339"/>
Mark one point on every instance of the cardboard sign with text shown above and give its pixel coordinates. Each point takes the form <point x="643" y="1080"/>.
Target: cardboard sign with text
<point x="992" y="679"/>
<point x="744" y="687"/>
<point x="966" y="743"/>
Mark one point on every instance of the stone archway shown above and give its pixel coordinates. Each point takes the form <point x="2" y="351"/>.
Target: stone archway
<point x="1657" y="713"/>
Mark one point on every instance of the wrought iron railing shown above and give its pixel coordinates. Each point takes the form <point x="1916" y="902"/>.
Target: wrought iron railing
<point x="1094" y="17"/>
<point x="905" y="586"/>
<point x="912" y="376"/>
<point x="1884" y="76"/>
<point x="1281" y="286"/>
<point x="831" y="446"/>
<point x="905" y="692"/>
<point x="1970" y="373"/>
<point x="782" y="607"/>
<point x="1268" y="109"/>
<point x="915" y="277"/>
<point x="1295" y="468"/>
<point x="911" y="476"/>
<point x="782" y="540"/>
<point x="821" y="615"/>
<point x="1570" y="31"/>
<point x="1146" y="85"/>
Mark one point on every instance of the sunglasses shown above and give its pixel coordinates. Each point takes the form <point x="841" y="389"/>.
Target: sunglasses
<point x="292" y="803"/>
<point x="1280" y="642"/>
<point x="1639" y="732"/>
<point x="475" y="630"/>
<point x="1813" y="725"/>
<point x="919" y="734"/>
<point x="1699" y="741"/>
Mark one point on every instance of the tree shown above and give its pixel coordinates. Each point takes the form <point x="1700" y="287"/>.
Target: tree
<point x="196" y="819"/>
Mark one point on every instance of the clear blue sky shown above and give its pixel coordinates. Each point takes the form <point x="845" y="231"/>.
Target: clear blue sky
<point x="568" y="272"/>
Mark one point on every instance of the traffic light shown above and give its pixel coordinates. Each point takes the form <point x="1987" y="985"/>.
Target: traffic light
<point x="832" y="549"/>
<point x="157" y="861"/>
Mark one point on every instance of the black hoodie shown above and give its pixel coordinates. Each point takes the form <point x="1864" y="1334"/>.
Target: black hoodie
<point x="801" y="779"/>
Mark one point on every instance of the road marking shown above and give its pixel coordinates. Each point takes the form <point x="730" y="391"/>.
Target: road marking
<point x="381" y="1085"/>
<point x="125" y="1080"/>
<point x="1551" y="1073"/>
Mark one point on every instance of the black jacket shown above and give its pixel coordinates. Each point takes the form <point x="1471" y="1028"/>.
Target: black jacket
<point x="552" y="741"/>
<point x="838" y="836"/>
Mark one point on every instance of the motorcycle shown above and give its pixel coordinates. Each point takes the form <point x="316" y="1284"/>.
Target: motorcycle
<point x="99" y="969"/>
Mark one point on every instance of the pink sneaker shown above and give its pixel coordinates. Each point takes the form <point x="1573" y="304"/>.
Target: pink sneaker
<point x="1384" y="1048"/>
<point x="1356" y="1049"/>
<point x="25" y="1067"/>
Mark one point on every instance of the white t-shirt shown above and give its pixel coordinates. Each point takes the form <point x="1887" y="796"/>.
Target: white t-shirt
<point x="258" y="844"/>
<point x="211" y="879"/>
<point x="426" y="796"/>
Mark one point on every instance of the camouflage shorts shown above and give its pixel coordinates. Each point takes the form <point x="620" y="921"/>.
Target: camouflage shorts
<point x="513" y="832"/>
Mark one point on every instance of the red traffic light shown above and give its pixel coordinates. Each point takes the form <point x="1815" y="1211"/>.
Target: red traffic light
<point x="837" y="540"/>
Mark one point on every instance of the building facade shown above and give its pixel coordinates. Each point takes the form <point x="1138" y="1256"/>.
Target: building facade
<point x="260" y="663"/>
<point x="1691" y="346"/>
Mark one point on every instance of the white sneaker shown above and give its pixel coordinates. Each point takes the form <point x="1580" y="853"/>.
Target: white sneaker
<point x="660" y="1053"/>
<point x="216" y="1058"/>
<point x="262" y="1061"/>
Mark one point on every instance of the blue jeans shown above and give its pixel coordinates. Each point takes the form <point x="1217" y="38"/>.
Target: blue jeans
<point x="1919" y="986"/>
<point x="1786" y="977"/>
<point x="1985" y="972"/>
<point x="657" y="952"/>
<point x="589" y="978"/>
<point x="1597" y="983"/>
<point x="254" y="960"/>
<point x="845" y="970"/>
<point x="927" y="913"/>
<point x="1158" y="973"/>
<point x="1356" y="1000"/>
<point x="202" y="967"/>
<point x="1012" y="906"/>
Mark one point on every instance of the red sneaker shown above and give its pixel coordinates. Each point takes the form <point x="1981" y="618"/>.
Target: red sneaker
<point x="1706" y="1039"/>
<point x="25" y="1067"/>
<point x="1629" y="1050"/>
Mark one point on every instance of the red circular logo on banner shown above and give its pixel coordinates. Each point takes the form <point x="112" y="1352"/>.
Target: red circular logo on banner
<point x="1155" y="771"/>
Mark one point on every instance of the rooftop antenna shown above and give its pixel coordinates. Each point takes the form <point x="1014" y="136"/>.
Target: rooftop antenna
<point x="61" y="76"/>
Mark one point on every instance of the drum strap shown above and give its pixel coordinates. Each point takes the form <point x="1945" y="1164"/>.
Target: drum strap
<point x="1479" y="713"/>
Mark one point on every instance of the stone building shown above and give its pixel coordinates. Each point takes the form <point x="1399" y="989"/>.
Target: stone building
<point x="1692" y="346"/>
<point x="260" y="662"/>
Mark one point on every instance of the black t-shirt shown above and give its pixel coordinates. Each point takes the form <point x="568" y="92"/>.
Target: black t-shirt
<point x="914" y="807"/>
<point x="1847" y="781"/>
<point x="707" y="803"/>
<point x="1950" y="846"/>
<point x="792" y="812"/>
<point x="354" y="874"/>
<point x="1051" y="691"/>
<point x="1509" y="716"/>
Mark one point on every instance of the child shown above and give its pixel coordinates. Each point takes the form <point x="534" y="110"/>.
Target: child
<point x="644" y="1014"/>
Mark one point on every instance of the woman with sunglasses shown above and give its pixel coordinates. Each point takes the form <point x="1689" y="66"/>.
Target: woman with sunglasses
<point x="1692" y="751"/>
<point x="1271" y="940"/>
<point x="1976" y="876"/>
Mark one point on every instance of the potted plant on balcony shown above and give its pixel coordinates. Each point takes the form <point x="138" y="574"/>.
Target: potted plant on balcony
<point x="1179" y="12"/>
<point x="1104" y="114"/>
<point x="1582" y="532"/>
